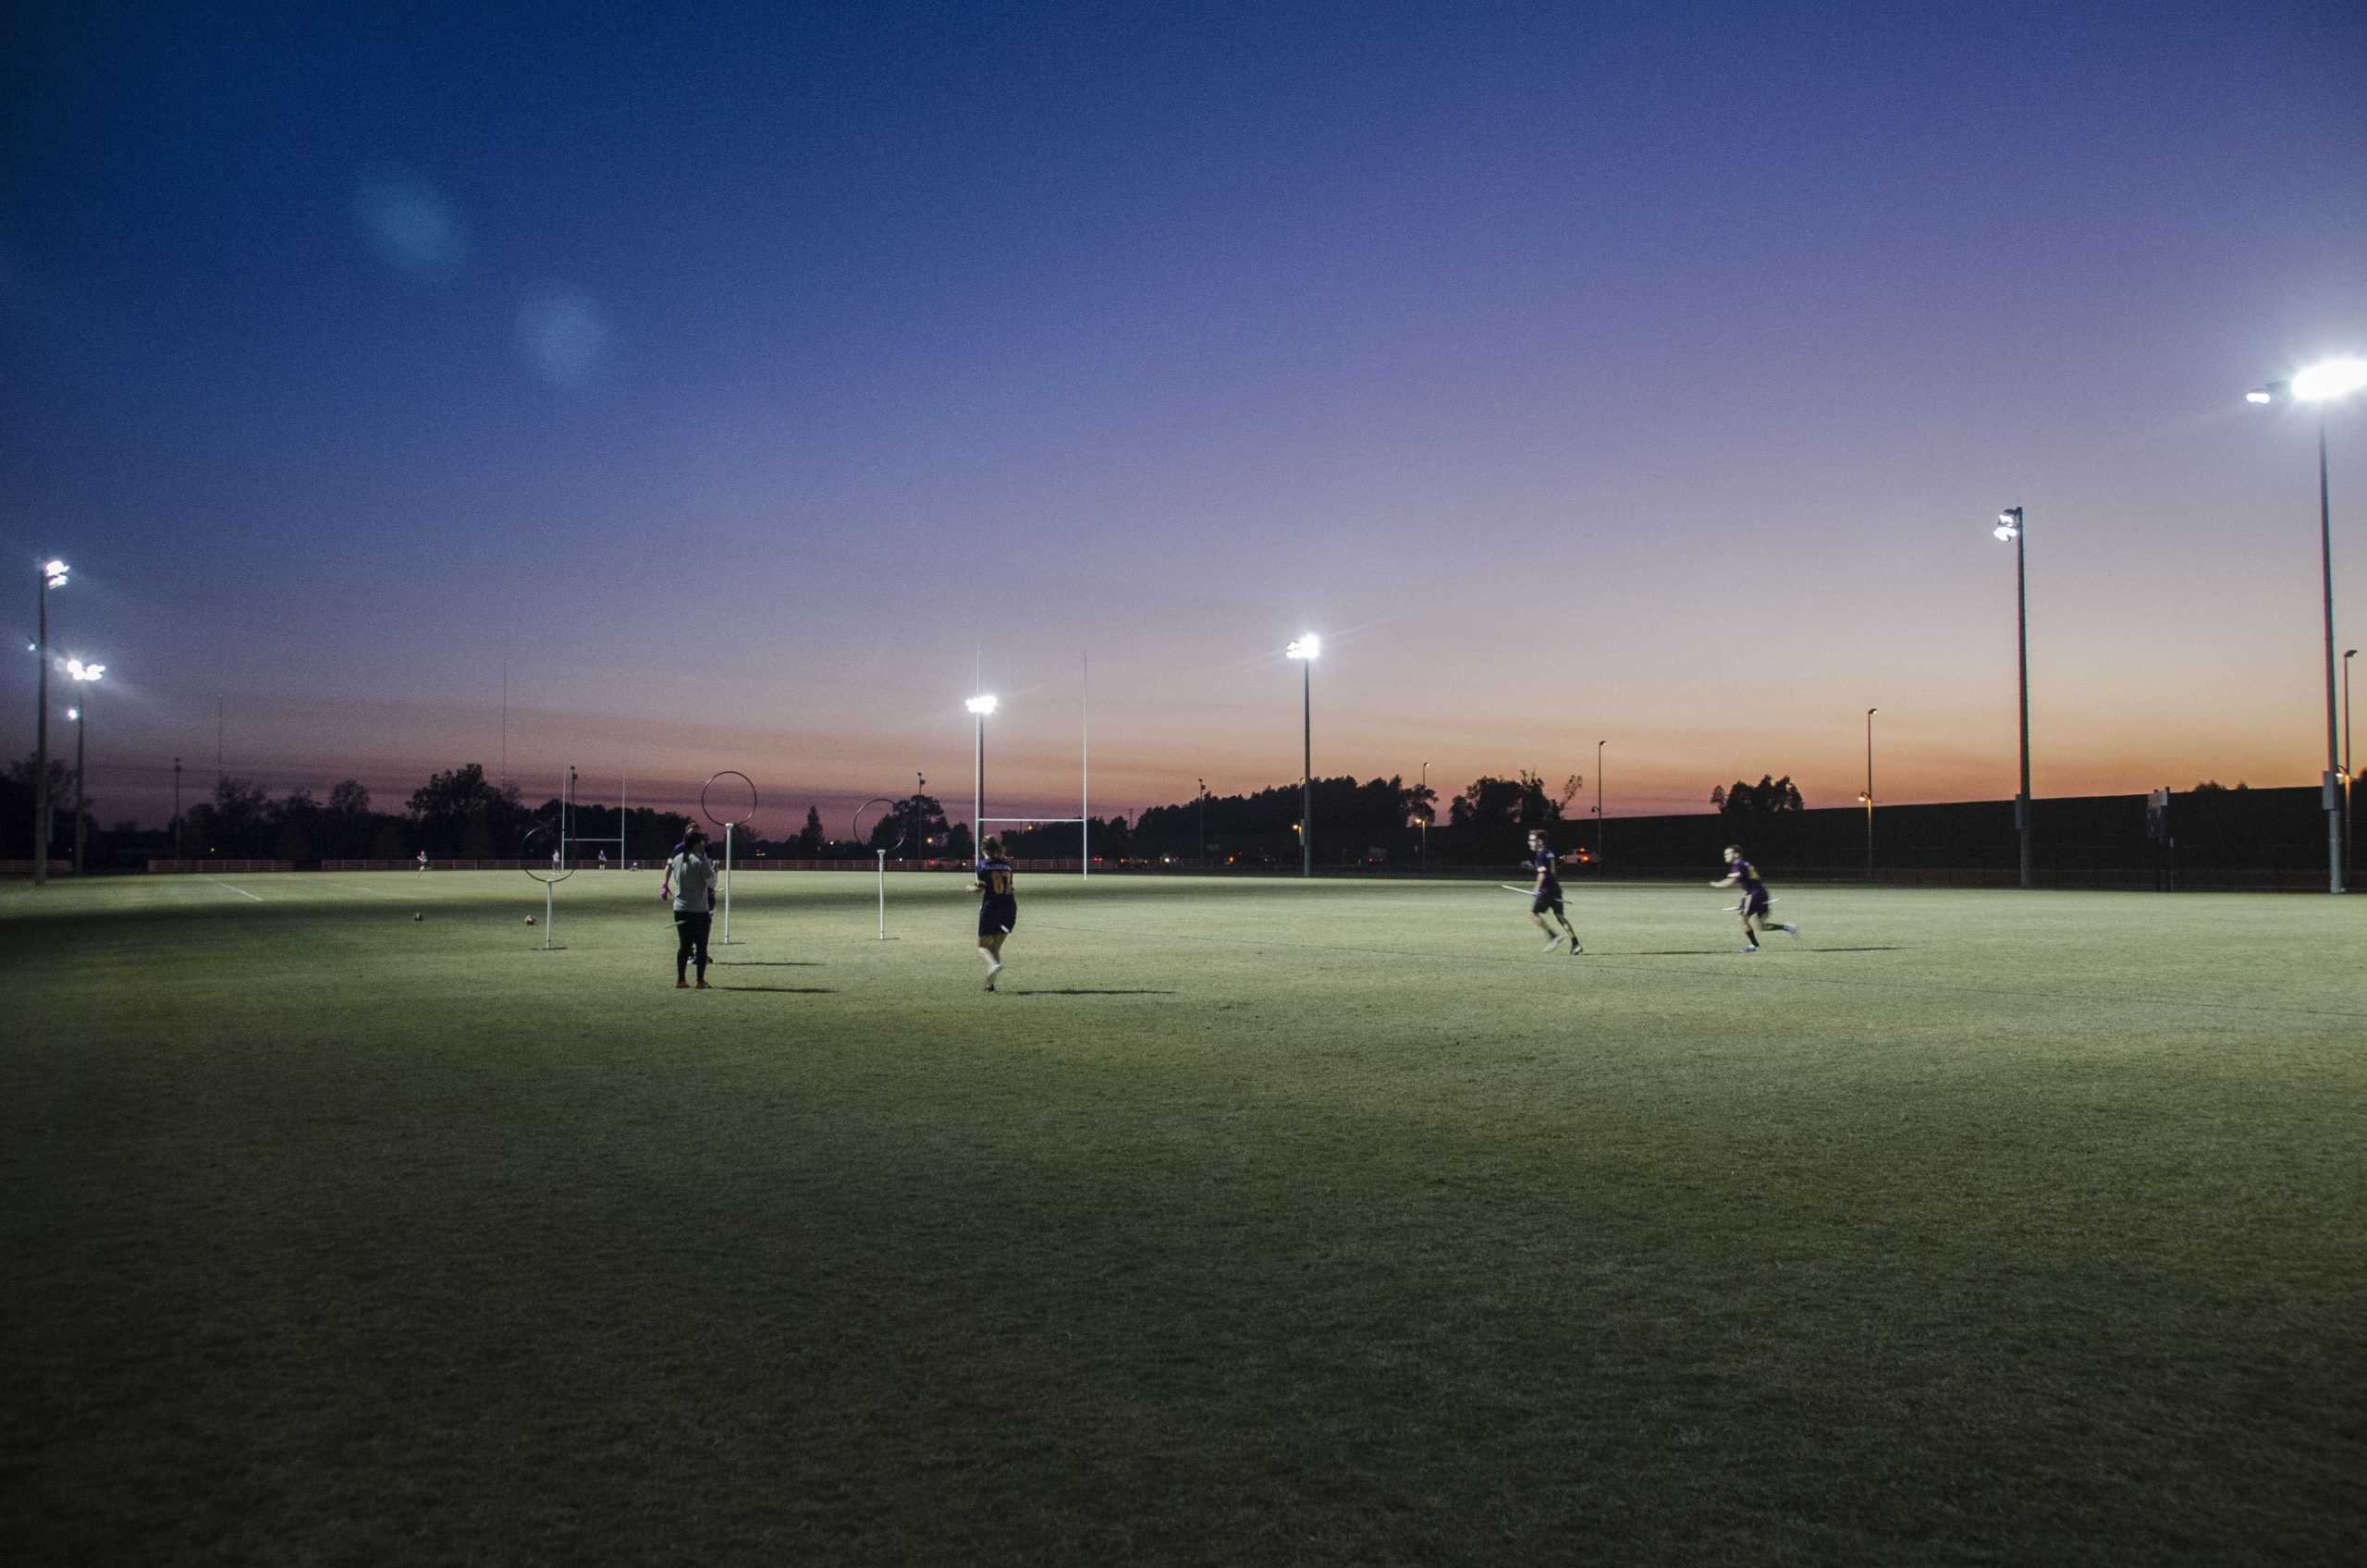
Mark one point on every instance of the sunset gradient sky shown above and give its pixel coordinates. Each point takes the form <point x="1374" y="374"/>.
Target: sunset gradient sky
<point x="743" y="380"/>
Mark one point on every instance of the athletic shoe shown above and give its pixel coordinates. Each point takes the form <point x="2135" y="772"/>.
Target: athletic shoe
<point x="1552" y="943"/>
<point x="1576" y="947"/>
<point x="1793" y="932"/>
<point x="1752" y="949"/>
<point x="681" y="984"/>
<point x="702" y="986"/>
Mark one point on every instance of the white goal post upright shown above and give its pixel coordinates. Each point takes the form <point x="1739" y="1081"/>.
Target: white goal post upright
<point x="567" y="806"/>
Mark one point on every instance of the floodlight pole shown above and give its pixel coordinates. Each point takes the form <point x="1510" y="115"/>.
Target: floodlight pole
<point x="1084" y="781"/>
<point x="1203" y="824"/>
<point x="2325" y="559"/>
<point x="52" y="575"/>
<point x="1307" y="774"/>
<point x="177" y="813"/>
<point x="2011" y="524"/>
<point x="78" y="720"/>
<point x="979" y="783"/>
<point x="1870" y="792"/>
<point x="1426" y="816"/>
<point x="1601" y="823"/>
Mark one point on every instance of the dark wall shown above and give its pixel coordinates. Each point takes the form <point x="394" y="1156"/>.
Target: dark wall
<point x="2214" y="830"/>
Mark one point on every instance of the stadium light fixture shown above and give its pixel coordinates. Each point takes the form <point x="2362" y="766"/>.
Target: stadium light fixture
<point x="81" y="671"/>
<point x="2324" y="382"/>
<point x="2009" y="525"/>
<point x="1308" y="646"/>
<point x="981" y="704"/>
<point x="52" y="574"/>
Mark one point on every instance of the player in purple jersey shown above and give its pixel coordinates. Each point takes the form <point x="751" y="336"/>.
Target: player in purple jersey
<point x="1548" y="897"/>
<point x="998" y="907"/>
<point x="1741" y="874"/>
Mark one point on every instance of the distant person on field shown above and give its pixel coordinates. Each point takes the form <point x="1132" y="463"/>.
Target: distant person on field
<point x="604" y="860"/>
<point x="1548" y="897"/>
<point x="998" y="907"/>
<point x="689" y="885"/>
<point x="1741" y="874"/>
<point x="423" y="860"/>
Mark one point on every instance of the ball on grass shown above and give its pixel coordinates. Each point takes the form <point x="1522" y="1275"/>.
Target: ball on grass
<point x="530" y="919"/>
<point x="417" y="916"/>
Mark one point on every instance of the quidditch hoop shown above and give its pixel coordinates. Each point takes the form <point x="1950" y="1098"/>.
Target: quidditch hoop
<point x="899" y="819"/>
<point x="536" y="856"/>
<point x="727" y="794"/>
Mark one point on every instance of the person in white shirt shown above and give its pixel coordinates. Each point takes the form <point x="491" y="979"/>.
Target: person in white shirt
<point x="689" y="884"/>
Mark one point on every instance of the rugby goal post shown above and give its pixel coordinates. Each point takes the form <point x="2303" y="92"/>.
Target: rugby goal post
<point x="982" y="706"/>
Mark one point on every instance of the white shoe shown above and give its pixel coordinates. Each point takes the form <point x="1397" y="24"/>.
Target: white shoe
<point x="1793" y="932"/>
<point x="1752" y="949"/>
<point x="1576" y="947"/>
<point x="992" y="970"/>
<point x="1552" y="943"/>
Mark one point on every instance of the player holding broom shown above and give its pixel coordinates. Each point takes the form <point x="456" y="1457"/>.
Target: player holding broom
<point x="1742" y="874"/>
<point x="1547" y="895"/>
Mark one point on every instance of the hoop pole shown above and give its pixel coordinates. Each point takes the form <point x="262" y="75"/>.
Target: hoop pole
<point x="883" y="895"/>
<point x="726" y="882"/>
<point x="550" y="915"/>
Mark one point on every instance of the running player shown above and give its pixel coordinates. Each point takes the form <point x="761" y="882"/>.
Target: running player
<point x="690" y="884"/>
<point x="1549" y="896"/>
<point x="1741" y="874"/>
<point x="998" y="907"/>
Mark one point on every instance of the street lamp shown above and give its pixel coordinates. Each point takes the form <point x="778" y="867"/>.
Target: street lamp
<point x="979" y="706"/>
<point x="2322" y="383"/>
<point x="1306" y="650"/>
<point x="1602" y="825"/>
<point x="81" y="674"/>
<point x="1868" y="796"/>
<point x="53" y="575"/>
<point x="2009" y="529"/>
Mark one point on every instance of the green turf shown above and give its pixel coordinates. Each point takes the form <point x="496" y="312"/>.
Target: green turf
<point x="1252" y="1222"/>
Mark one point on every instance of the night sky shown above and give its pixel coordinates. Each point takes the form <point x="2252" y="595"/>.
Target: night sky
<point x="746" y="380"/>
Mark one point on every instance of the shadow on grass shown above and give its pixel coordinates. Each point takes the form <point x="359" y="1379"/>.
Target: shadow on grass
<point x="1711" y="952"/>
<point x="1084" y="991"/>
<point x="785" y="990"/>
<point x="767" y="963"/>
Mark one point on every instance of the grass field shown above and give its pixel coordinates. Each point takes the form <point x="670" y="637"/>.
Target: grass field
<point x="1252" y="1222"/>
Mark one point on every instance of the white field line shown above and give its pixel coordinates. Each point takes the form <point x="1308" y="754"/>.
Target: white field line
<point x="241" y="891"/>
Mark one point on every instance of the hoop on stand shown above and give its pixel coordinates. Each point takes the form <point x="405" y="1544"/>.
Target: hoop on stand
<point x="530" y="856"/>
<point x="856" y="832"/>
<point x="729" y="806"/>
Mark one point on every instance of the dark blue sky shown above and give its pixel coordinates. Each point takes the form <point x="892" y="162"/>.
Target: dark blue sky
<point x="746" y="380"/>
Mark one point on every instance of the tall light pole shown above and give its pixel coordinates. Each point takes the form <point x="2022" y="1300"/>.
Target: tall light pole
<point x="2009" y="528"/>
<point x="1204" y="822"/>
<point x="1305" y="650"/>
<point x="979" y="706"/>
<point x="53" y="575"/>
<point x="1601" y="824"/>
<point x="176" y="811"/>
<point x="2324" y="382"/>
<point x="81" y="674"/>
<point x="1870" y="792"/>
<point x="913" y="817"/>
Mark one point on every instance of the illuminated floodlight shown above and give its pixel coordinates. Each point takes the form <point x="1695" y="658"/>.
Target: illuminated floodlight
<point x="2329" y="379"/>
<point x="74" y="713"/>
<point x="2259" y="395"/>
<point x="2009" y="525"/>
<point x="1308" y="646"/>
<point x="52" y="574"/>
<point x="81" y="671"/>
<point x="981" y="704"/>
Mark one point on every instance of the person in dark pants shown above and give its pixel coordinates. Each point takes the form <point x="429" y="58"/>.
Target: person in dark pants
<point x="1741" y="874"/>
<point x="690" y="884"/>
<point x="998" y="907"/>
